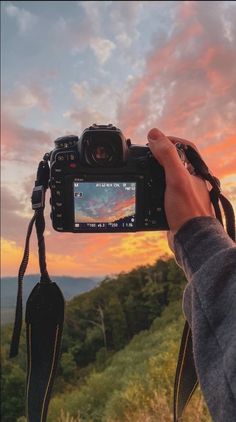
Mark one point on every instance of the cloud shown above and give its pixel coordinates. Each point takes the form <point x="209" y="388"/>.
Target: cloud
<point x="23" y="98"/>
<point x="188" y="86"/>
<point x="11" y="256"/>
<point x="86" y="117"/>
<point x="117" y="252"/>
<point x="14" y="223"/>
<point x="24" y="19"/>
<point x="71" y="36"/>
<point x="125" y="17"/>
<point x="87" y="35"/>
<point x="228" y="19"/>
<point x="124" y="39"/>
<point x="80" y="91"/>
<point x="94" y="104"/>
<point x="102" y="49"/>
<point x="86" y="32"/>
<point x="104" y="27"/>
<point x="230" y="189"/>
<point x="20" y="142"/>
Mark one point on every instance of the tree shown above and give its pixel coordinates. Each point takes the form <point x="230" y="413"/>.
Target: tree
<point x="117" y="323"/>
<point x="100" y="323"/>
<point x="13" y="392"/>
<point x="68" y="365"/>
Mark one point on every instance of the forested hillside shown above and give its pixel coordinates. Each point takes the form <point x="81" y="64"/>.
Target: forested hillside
<point x="119" y="353"/>
<point x="70" y="287"/>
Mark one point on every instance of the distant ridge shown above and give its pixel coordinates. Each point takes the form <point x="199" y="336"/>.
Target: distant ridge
<point x="70" y="287"/>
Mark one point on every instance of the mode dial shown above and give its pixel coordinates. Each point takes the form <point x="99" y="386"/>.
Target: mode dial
<point x="66" y="141"/>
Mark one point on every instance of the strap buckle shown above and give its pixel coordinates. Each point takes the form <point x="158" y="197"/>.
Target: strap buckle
<point x="38" y="197"/>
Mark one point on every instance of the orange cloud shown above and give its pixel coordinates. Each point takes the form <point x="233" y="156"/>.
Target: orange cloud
<point x="221" y="156"/>
<point x="160" y="62"/>
<point x="105" y="254"/>
<point x="11" y="256"/>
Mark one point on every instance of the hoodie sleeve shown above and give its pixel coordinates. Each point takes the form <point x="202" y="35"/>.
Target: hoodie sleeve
<point x="208" y="257"/>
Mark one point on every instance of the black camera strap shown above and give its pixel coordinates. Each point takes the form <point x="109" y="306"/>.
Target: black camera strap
<point x="44" y="314"/>
<point x="186" y="379"/>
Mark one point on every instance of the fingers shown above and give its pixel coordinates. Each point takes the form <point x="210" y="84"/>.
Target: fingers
<point x="175" y="140"/>
<point x="165" y="152"/>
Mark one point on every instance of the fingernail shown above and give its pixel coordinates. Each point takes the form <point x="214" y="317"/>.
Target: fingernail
<point x="155" y="134"/>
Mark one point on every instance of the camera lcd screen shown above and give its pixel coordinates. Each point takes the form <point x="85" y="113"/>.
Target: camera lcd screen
<point x="104" y="205"/>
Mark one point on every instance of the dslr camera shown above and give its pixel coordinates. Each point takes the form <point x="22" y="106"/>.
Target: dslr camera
<point x="101" y="182"/>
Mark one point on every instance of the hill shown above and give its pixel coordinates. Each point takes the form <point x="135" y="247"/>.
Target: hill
<point x="70" y="286"/>
<point x="118" y="356"/>
<point x="136" y="384"/>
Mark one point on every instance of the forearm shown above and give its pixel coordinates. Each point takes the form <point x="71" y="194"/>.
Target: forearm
<point x="208" y="257"/>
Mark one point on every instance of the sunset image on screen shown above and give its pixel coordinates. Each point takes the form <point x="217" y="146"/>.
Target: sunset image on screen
<point x="104" y="202"/>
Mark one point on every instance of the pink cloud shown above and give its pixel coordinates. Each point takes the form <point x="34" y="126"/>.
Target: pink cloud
<point x="186" y="10"/>
<point x="188" y="86"/>
<point x="20" y="142"/>
<point x="14" y="224"/>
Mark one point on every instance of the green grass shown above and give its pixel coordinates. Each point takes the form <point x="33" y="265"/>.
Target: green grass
<point x="137" y="383"/>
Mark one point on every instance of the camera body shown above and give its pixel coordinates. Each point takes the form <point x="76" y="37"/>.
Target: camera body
<point x="103" y="183"/>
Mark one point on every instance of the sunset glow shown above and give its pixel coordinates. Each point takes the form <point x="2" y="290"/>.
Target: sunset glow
<point x="138" y="65"/>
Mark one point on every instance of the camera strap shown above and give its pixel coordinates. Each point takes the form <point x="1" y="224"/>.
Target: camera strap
<point x="186" y="379"/>
<point x="44" y="313"/>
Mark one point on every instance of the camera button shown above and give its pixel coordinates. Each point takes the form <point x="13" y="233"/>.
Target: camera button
<point x="60" y="157"/>
<point x="71" y="156"/>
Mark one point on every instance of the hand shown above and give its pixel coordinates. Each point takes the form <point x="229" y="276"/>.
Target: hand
<point x="186" y="195"/>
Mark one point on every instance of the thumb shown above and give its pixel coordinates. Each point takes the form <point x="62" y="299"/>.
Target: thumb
<point x="165" y="152"/>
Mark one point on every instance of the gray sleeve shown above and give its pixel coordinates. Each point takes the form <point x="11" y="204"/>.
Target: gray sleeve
<point x="208" y="258"/>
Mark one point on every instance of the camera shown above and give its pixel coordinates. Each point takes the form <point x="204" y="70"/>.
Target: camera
<point x="101" y="182"/>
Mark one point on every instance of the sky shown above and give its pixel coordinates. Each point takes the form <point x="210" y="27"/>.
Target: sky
<point x="138" y="65"/>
